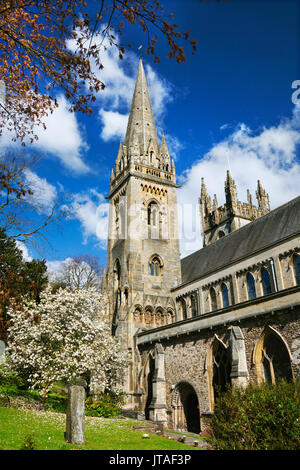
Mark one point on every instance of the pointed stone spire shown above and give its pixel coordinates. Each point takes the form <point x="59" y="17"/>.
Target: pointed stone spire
<point x="205" y="201"/>
<point x="249" y="197"/>
<point x="215" y="203"/>
<point x="118" y="164"/>
<point x="164" y="148"/>
<point x="112" y="175"/>
<point x="141" y="121"/>
<point x="230" y="191"/>
<point x="164" y="155"/>
<point x="203" y="189"/>
<point x="262" y="197"/>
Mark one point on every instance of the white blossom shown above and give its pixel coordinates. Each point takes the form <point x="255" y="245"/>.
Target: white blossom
<point x="58" y="339"/>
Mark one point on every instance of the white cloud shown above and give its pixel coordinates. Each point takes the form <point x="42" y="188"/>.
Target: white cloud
<point x="55" y="268"/>
<point x="44" y="193"/>
<point x="91" y="210"/>
<point x="62" y="138"/>
<point x="114" y="125"/>
<point x="269" y="154"/>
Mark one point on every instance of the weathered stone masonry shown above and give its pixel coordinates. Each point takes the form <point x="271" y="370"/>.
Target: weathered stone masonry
<point x="228" y="313"/>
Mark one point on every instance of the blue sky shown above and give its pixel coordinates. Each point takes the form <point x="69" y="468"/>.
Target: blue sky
<point x="227" y="106"/>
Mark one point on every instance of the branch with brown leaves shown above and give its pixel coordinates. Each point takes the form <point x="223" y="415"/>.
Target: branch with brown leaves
<point x="35" y="59"/>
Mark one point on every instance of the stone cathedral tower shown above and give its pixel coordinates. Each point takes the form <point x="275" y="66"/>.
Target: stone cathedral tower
<point x="143" y="257"/>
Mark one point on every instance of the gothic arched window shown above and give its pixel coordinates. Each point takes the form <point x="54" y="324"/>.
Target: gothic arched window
<point x="159" y="318"/>
<point x="170" y="316"/>
<point x="184" y="309"/>
<point x="275" y="359"/>
<point x="265" y="281"/>
<point x="296" y="267"/>
<point x="194" y="305"/>
<point x="148" y="316"/>
<point x="225" y="296"/>
<point x="251" y="287"/>
<point x="117" y="272"/>
<point x="221" y="369"/>
<point x="213" y="299"/>
<point x="155" y="266"/>
<point x="152" y="213"/>
<point x="137" y="314"/>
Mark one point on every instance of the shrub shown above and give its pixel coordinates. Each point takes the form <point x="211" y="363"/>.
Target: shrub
<point x="11" y="385"/>
<point x="259" y="417"/>
<point x="8" y="377"/>
<point x="29" y="443"/>
<point x="108" y="405"/>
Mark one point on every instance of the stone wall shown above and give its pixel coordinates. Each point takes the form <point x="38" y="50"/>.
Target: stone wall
<point x="187" y="357"/>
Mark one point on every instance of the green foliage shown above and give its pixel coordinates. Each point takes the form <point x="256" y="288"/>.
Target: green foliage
<point x="7" y="377"/>
<point x="108" y="405"/>
<point x="12" y="385"/>
<point x="258" y="418"/>
<point x="10" y="255"/>
<point x="18" y="278"/>
<point x="35" y="277"/>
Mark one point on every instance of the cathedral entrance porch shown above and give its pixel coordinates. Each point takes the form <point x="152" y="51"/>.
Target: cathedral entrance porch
<point x="186" y="416"/>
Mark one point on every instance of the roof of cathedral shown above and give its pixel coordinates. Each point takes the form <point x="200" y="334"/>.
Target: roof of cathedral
<point x="277" y="225"/>
<point x="141" y="126"/>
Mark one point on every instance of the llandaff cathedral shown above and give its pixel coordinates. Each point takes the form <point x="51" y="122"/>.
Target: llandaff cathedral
<point x="226" y="314"/>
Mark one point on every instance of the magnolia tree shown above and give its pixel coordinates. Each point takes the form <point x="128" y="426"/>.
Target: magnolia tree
<point x="65" y="336"/>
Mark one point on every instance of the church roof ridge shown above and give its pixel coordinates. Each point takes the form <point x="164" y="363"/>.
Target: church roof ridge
<point x="244" y="241"/>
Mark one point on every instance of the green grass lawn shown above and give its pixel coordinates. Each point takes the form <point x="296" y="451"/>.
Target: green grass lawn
<point x="48" y="430"/>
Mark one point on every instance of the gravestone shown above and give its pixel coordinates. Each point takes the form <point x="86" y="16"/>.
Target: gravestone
<point x="75" y="413"/>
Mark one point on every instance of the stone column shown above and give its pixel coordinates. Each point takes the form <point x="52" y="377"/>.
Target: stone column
<point x="158" y="407"/>
<point x="201" y="301"/>
<point x="239" y="372"/>
<point x="278" y="273"/>
<point x="200" y="306"/>
<point x="75" y="413"/>
<point x="235" y="289"/>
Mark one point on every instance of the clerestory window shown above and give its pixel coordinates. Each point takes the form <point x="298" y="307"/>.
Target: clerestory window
<point x="251" y="287"/>
<point x="265" y="281"/>
<point x="296" y="267"/>
<point x="225" y="296"/>
<point x="213" y="299"/>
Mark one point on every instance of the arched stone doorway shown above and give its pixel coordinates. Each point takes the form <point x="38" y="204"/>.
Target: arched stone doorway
<point x="186" y="408"/>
